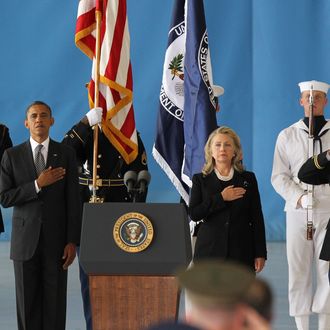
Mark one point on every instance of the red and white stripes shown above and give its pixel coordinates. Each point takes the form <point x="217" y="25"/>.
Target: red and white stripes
<point x="116" y="83"/>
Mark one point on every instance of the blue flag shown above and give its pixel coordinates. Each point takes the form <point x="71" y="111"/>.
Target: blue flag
<point x="199" y="100"/>
<point x="169" y="144"/>
<point x="187" y="103"/>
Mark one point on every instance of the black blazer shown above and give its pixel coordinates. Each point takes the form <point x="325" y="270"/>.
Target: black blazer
<point x="231" y="230"/>
<point x="55" y="210"/>
<point x="5" y="143"/>
<point x="311" y="174"/>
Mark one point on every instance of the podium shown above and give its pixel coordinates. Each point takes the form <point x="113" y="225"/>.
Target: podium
<point x="130" y="252"/>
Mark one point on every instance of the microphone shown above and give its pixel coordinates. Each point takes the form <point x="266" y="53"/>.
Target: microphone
<point x="130" y="180"/>
<point x="143" y="180"/>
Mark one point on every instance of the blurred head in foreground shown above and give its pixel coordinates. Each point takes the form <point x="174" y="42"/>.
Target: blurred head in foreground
<point x="225" y="295"/>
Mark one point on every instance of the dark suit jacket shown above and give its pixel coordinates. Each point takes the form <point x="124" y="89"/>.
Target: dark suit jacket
<point x="231" y="230"/>
<point x="5" y="142"/>
<point x="311" y="174"/>
<point x="111" y="164"/>
<point x="55" y="210"/>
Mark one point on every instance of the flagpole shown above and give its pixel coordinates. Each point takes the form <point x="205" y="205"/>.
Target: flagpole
<point x="98" y="17"/>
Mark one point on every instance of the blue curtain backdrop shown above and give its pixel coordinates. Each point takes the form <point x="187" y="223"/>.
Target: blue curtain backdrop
<point x="260" y="51"/>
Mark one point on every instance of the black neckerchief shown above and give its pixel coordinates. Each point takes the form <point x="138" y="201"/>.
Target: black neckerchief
<point x="319" y="122"/>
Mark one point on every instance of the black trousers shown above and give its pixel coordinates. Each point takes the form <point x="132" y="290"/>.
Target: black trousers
<point x="41" y="286"/>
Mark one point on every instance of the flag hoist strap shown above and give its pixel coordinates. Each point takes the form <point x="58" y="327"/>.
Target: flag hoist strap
<point x="102" y="182"/>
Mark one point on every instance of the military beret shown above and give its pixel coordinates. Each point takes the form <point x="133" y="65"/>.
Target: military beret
<point x="216" y="283"/>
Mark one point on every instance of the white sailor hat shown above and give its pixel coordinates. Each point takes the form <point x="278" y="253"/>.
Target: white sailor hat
<point x="315" y="85"/>
<point x="217" y="90"/>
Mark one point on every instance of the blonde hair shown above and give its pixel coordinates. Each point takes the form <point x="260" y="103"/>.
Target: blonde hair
<point x="237" y="159"/>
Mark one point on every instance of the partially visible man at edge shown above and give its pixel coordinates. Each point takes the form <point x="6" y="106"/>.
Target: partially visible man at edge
<point x="5" y="143"/>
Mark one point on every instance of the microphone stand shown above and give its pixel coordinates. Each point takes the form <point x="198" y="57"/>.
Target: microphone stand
<point x="310" y="188"/>
<point x="133" y="194"/>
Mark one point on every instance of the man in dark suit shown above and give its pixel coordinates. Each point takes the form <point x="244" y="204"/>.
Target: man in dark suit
<point x="316" y="171"/>
<point x="5" y="142"/>
<point x="46" y="220"/>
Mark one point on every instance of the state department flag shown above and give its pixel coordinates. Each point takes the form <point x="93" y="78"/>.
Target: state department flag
<point x="199" y="101"/>
<point x="187" y="103"/>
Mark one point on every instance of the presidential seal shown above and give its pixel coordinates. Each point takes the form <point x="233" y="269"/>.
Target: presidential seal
<point x="133" y="232"/>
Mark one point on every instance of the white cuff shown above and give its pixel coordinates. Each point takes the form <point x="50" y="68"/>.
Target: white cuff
<point x="94" y="116"/>
<point x="36" y="186"/>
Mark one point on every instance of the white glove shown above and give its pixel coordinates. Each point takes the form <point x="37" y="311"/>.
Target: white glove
<point x="94" y="116"/>
<point x="304" y="201"/>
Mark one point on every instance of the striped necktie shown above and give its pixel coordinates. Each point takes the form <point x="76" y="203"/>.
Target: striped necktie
<point x="39" y="159"/>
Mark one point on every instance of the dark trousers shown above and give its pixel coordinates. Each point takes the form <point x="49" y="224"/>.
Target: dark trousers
<point x="84" y="284"/>
<point x="41" y="285"/>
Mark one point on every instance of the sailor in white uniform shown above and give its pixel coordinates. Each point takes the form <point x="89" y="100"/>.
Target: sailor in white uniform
<point x="291" y="151"/>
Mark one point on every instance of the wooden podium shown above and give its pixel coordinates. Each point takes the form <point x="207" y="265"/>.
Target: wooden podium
<point x="132" y="288"/>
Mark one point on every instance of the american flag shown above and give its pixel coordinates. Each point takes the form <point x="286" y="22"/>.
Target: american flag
<point x="116" y="83"/>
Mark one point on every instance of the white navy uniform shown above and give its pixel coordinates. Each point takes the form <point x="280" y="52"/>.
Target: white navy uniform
<point x="291" y="151"/>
